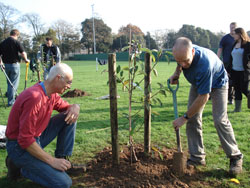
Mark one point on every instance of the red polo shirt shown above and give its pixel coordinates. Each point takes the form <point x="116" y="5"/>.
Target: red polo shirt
<point x="31" y="114"/>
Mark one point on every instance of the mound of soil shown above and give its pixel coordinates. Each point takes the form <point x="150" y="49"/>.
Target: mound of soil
<point x="154" y="171"/>
<point x="75" y="93"/>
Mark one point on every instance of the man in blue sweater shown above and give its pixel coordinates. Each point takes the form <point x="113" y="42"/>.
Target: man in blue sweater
<point x="207" y="75"/>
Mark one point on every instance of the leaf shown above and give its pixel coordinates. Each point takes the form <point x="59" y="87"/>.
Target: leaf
<point x="159" y="101"/>
<point x="163" y="92"/>
<point x="136" y="68"/>
<point x="234" y="180"/>
<point x="146" y="50"/>
<point x="125" y="68"/>
<point x="161" y="156"/>
<point x="118" y="69"/>
<point x="155" y="72"/>
<point x="121" y="73"/>
<point x="125" y="82"/>
<point x="155" y="113"/>
<point x="155" y="149"/>
<point x="108" y="82"/>
<point x="125" y="48"/>
<point x="160" y="84"/>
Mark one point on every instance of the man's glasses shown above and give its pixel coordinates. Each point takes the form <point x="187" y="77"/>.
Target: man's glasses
<point x="68" y="82"/>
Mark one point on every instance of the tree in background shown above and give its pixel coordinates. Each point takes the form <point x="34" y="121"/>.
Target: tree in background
<point x="199" y="36"/>
<point x="136" y="33"/>
<point x="34" y="20"/>
<point x="68" y="37"/>
<point x="103" y="35"/>
<point x="8" y="19"/>
<point x="119" y="41"/>
<point x="150" y="42"/>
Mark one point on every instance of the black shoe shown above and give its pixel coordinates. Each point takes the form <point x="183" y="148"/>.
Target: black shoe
<point x="14" y="172"/>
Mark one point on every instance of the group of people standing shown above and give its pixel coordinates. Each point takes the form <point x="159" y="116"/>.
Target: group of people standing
<point x="30" y="126"/>
<point x="235" y="50"/>
<point x="10" y="49"/>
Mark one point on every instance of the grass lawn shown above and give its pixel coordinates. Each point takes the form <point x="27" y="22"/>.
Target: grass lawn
<point x="93" y="131"/>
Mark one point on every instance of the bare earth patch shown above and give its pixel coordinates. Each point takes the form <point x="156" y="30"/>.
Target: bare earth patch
<point x="75" y="93"/>
<point x="152" y="171"/>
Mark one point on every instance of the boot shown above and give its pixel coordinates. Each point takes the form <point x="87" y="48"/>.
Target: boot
<point x="237" y="106"/>
<point x="13" y="171"/>
<point x="248" y="101"/>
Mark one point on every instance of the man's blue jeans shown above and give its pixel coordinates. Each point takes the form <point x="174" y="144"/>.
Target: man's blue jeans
<point x="35" y="169"/>
<point x="13" y="72"/>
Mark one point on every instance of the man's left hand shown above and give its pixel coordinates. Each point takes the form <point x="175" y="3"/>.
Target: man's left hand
<point x="72" y="113"/>
<point x="179" y="122"/>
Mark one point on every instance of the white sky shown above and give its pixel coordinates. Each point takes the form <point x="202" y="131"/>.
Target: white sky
<point x="215" y="15"/>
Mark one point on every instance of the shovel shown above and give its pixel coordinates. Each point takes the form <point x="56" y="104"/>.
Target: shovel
<point x="179" y="159"/>
<point x="26" y="74"/>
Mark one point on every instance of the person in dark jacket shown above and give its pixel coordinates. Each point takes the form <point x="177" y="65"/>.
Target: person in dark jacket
<point x="224" y="49"/>
<point x="239" y="67"/>
<point x="49" y="55"/>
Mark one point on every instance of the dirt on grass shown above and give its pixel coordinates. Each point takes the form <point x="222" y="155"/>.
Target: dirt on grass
<point x="153" y="171"/>
<point x="75" y="93"/>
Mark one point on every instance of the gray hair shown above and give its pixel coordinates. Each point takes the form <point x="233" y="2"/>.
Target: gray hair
<point x="61" y="69"/>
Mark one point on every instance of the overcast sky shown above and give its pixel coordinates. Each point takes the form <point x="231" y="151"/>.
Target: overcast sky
<point x="215" y="15"/>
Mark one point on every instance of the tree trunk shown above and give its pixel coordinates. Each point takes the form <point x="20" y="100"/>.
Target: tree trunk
<point x="113" y="108"/>
<point x="147" y="108"/>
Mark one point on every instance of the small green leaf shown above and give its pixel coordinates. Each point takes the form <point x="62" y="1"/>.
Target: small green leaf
<point x="163" y="92"/>
<point x="125" y="48"/>
<point x="161" y="85"/>
<point x="118" y="69"/>
<point x="159" y="101"/>
<point x="121" y="73"/>
<point x="125" y="68"/>
<point x="155" y="113"/>
<point x="155" y="72"/>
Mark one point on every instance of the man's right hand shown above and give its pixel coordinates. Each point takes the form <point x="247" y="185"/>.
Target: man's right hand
<point x="61" y="164"/>
<point x="174" y="79"/>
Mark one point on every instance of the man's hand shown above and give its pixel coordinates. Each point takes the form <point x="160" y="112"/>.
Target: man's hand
<point x="179" y="122"/>
<point x="72" y="113"/>
<point x="61" y="164"/>
<point x="174" y="79"/>
<point x="27" y="61"/>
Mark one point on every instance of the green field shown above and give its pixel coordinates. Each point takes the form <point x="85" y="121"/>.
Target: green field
<point x="93" y="131"/>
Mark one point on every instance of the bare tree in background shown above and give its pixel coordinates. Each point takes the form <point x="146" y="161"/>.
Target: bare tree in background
<point x="34" y="20"/>
<point x="8" y="18"/>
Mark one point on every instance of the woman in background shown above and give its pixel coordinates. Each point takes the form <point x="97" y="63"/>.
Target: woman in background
<point x="240" y="66"/>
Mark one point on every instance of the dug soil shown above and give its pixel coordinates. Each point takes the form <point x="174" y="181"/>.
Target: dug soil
<point x="75" y="93"/>
<point x="153" y="171"/>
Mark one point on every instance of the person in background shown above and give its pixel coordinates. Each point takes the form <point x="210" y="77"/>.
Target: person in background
<point x="207" y="75"/>
<point x="49" y="54"/>
<point x="224" y="49"/>
<point x="31" y="128"/>
<point x="9" y="55"/>
<point x="239" y="67"/>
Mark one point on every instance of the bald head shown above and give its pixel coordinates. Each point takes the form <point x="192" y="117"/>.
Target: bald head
<point x="183" y="51"/>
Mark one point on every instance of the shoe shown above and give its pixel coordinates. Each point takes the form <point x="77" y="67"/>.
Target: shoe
<point x="196" y="163"/>
<point x="236" y="165"/>
<point x="14" y="172"/>
<point x="230" y="101"/>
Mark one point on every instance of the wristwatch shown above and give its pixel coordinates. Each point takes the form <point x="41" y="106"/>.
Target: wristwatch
<point x="186" y="116"/>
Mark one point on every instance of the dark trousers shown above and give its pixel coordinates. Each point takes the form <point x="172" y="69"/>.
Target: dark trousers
<point x="230" y="85"/>
<point x="240" y="85"/>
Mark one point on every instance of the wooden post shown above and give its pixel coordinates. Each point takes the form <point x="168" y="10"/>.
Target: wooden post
<point x="113" y="108"/>
<point x="147" y="108"/>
